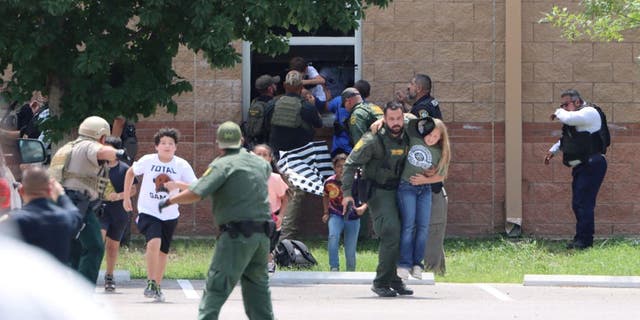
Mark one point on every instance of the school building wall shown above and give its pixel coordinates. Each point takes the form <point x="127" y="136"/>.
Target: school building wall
<point x="461" y="45"/>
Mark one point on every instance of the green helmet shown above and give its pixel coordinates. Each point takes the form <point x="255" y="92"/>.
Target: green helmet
<point x="94" y="127"/>
<point x="229" y="136"/>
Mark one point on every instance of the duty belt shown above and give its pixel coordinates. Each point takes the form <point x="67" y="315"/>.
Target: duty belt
<point x="248" y="227"/>
<point x="386" y="186"/>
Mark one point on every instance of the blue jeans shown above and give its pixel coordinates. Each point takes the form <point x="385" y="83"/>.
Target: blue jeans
<point x="414" y="203"/>
<point x="587" y="178"/>
<point x="351" y="229"/>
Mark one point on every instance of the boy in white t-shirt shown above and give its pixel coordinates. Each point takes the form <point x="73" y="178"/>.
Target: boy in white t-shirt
<point x="164" y="174"/>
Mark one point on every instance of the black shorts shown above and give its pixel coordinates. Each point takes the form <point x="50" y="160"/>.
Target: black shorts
<point x="153" y="227"/>
<point x="114" y="219"/>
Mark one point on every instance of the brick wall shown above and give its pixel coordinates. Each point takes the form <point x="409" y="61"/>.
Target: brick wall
<point x="460" y="44"/>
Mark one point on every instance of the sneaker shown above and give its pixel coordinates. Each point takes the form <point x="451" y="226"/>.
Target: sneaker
<point x="150" y="290"/>
<point x="403" y="273"/>
<point x="158" y="296"/>
<point x="384" y="292"/>
<point x="402" y="290"/>
<point x="109" y="283"/>
<point x="416" y="272"/>
<point x="271" y="267"/>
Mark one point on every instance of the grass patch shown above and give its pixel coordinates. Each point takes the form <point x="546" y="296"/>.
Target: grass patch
<point x="485" y="260"/>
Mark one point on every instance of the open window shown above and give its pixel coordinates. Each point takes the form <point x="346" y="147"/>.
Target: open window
<point x="337" y="57"/>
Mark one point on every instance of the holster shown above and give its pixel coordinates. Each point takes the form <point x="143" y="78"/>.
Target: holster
<point x="363" y="189"/>
<point x="248" y="228"/>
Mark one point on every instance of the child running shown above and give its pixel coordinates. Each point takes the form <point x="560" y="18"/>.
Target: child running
<point x="114" y="218"/>
<point x="338" y="222"/>
<point x="277" y="198"/>
<point x="163" y="173"/>
<point x="427" y="162"/>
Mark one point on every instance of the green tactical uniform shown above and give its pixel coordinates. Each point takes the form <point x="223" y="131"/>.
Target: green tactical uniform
<point x="382" y="158"/>
<point x="362" y="116"/>
<point x="237" y="184"/>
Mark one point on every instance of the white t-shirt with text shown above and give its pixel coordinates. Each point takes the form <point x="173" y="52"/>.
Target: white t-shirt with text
<point x="155" y="174"/>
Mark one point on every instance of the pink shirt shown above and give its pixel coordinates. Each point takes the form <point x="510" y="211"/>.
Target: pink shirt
<point x="277" y="189"/>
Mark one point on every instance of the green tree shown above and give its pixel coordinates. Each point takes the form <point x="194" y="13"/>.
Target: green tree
<point x="114" y="57"/>
<point x="600" y="20"/>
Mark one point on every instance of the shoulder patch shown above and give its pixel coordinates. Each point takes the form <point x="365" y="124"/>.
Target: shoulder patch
<point x="358" y="145"/>
<point x="434" y="102"/>
<point x="206" y="173"/>
<point x="352" y="120"/>
<point x="423" y="114"/>
<point x="376" y="109"/>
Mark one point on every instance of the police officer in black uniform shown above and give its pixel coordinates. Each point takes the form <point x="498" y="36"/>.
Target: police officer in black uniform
<point x="582" y="148"/>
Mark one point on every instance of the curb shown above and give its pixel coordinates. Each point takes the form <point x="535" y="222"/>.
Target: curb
<point x="581" y="281"/>
<point x="316" y="277"/>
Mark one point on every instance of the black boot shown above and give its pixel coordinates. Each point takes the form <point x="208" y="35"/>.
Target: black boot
<point x="402" y="290"/>
<point x="383" y="291"/>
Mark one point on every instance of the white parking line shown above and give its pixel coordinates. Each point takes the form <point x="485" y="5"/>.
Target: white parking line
<point x="494" y="292"/>
<point x="188" y="290"/>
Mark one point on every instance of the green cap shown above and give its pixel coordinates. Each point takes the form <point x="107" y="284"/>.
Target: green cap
<point x="229" y="136"/>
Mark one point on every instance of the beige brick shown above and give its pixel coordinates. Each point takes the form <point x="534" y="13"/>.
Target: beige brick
<point x="572" y="52"/>
<point x="438" y="71"/>
<point x="537" y="52"/>
<point x="631" y="35"/>
<point x="592" y="72"/>
<point x="428" y="30"/>
<point x="473" y="71"/>
<point x="368" y="31"/>
<point x="203" y="70"/>
<point x="499" y="72"/>
<point x="476" y="112"/>
<point x="413" y="51"/>
<point x="527" y="112"/>
<point x="542" y="111"/>
<point x="552" y="72"/>
<point x="205" y="111"/>
<point x="234" y="73"/>
<point x="500" y="21"/>
<point x="473" y="31"/>
<point x="499" y="114"/>
<point x="217" y="91"/>
<point x="612" y="92"/>
<point x="636" y="92"/>
<point x="396" y="31"/>
<point x="377" y="14"/>
<point x="546" y="32"/>
<point x="454" y="51"/>
<point x="453" y="11"/>
<point x="483" y="51"/>
<point x="379" y="51"/>
<point x="368" y="71"/>
<point x="488" y="92"/>
<point x="534" y="11"/>
<point x="527" y="31"/>
<point x="585" y="89"/>
<point x="236" y="91"/>
<point x="527" y="72"/>
<point x="625" y="112"/>
<point x="613" y="52"/>
<point x="227" y="112"/>
<point x="500" y="51"/>
<point x="393" y="71"/>
<point x="411" y="11"/>
<point x="453" y="91"/>
<point x="184" y="54"/>
<point x="537" y="92"/>
<point x="483" y="11"/>
<point x="381" y="92"/>
<point x="184" y="69"/>
<point x="626" y="72"/>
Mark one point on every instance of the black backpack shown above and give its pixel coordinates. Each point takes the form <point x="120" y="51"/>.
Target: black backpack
<point x="605" y="136"/>
<point x="256" y="128"/>
<point x="129" y="140"/>
<point x="293" y="253"/>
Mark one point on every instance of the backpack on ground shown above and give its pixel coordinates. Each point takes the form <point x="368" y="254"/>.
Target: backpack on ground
<point x="293" y="253"/>
<point x="605" y="136"/>
<point x="256" y="128"/>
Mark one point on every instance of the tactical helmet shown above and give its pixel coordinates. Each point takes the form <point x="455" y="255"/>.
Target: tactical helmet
<point x="94" y="127"/>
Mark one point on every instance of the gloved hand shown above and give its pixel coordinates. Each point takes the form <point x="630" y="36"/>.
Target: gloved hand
<point x="121" y="155"/>
<point x="163" y="204"/>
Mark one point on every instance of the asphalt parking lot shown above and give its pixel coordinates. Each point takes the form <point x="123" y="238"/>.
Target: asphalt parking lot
<point x="439" y="301"/>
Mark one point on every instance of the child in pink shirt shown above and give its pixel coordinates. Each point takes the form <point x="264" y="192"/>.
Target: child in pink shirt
<point x="277" y="197"/>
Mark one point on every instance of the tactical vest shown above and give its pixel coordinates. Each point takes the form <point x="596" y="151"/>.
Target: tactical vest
<point x="578" y="145"/>
<point x="287" y="112"/>
<point x="58" y="169"/>
<point x="385" y="167"/>
<point x="374" y="112"/>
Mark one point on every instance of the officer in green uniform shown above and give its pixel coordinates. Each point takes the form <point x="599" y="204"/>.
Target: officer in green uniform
<point x="382" y="158"/>
<point x="363" y="114"/>
<point x="237" y="184"/>
<point x="80" y="166"/>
